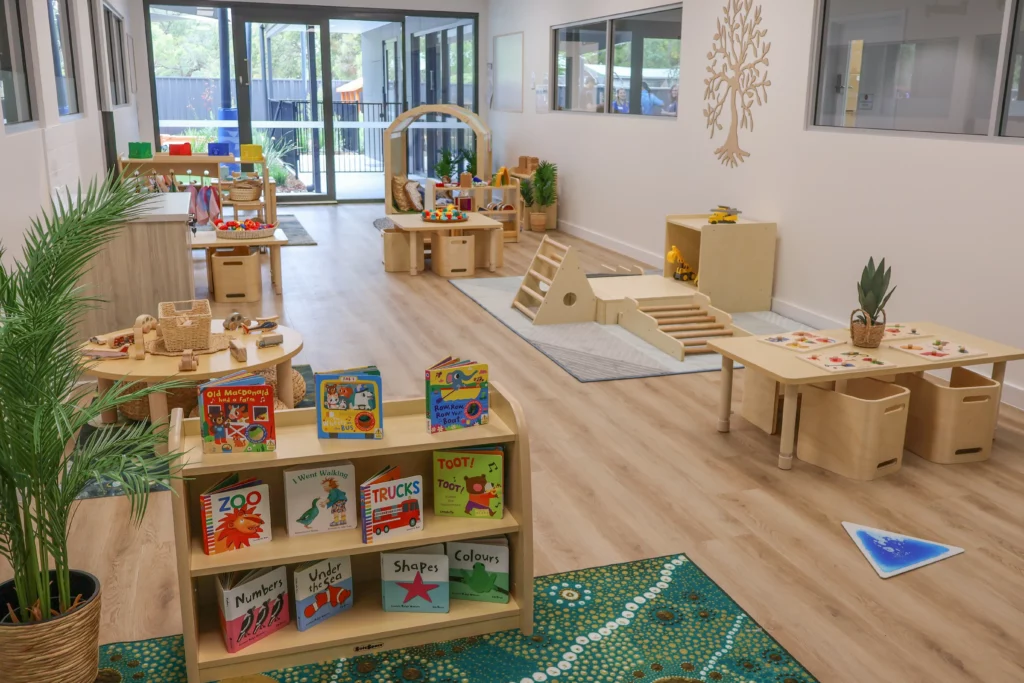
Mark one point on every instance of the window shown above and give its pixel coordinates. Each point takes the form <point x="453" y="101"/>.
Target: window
<point x="909" y="65"/>
<point x="1013" y="108"/>
<point x="63" y="56"/>
<point x="642" y="69"/>
<point x="116" y="57"/>
<point x="14" y="94"/>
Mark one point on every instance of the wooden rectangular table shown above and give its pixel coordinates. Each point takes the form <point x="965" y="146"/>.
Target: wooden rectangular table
<point x="414" y="224"/>
<point x="786" y="367"/>
<point x="209" y="241"/>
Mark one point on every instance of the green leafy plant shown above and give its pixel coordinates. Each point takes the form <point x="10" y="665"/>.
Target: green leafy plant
<point x="274" y="151"/>
<point x="873" y="291"/>
<point x="467" y="160"/>
<point x="526" y="192"/>
<point x="545" y="184"/>
<point x="447" y="163"/>
<point x="44" y="403"/>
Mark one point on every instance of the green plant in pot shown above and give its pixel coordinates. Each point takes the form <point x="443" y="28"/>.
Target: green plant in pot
<point x="446" y="166"/>
<point x="467" y="159"/>
<point x="867" y="323"/>
<point x="49" y="626"/>
<point x="545" y="190"/>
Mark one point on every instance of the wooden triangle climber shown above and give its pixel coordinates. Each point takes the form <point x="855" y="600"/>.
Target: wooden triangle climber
<point x="555" y="289"/>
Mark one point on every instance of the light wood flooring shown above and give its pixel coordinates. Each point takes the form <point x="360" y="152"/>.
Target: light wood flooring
<point x="635" y="469"/>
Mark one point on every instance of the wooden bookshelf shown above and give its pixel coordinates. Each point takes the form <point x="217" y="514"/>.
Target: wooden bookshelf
<point x="366" y="627"/>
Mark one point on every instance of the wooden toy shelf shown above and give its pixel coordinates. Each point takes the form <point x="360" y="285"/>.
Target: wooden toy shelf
<point x="479" y="196"/>
<point x="366" y="627"/>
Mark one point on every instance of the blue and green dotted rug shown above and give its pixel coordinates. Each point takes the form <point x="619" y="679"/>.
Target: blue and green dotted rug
<point x="658" y="621"/>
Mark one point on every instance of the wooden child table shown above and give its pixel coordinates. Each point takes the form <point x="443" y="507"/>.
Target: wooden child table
<point x="787" y="368"/>
<point x="414" y="224"/>
<point x="208" y="241"/>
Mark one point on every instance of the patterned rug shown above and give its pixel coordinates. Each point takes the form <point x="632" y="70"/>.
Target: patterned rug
<point x="660" y="620"/>
<point x="293" y="230"/>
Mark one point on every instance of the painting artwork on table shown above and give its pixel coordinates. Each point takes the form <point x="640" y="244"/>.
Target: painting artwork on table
<point x="800" y="341"/>
<point x="937" y="350"/>
<point x="846" y="361"/>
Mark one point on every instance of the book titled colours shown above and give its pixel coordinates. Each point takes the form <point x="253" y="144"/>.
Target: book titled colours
<point x="252" y="605"/>
<point x="469" y="482"/>
<point x="478" y="570"/>
<point x="457" y="395"/>
<point x="236" y="514"/>
<point x="237" y="414"/>
<point x="321" y="499"/>
<point x="415" y="580"/>
<point x="348" y="404"/>
<point x="323" y="589"/>
<point x="390" y="504"/>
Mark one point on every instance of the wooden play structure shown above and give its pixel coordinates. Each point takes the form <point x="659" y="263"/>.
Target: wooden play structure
<point x="677" y="325"/>
<point x="555" y="288"/>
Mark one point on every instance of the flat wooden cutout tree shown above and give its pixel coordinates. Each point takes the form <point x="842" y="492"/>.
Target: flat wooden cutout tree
<point x="738" y="75"/>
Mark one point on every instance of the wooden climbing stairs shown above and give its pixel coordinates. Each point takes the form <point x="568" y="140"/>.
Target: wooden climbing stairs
<point x="555" y="289"/>
<point x="676" y="325"/>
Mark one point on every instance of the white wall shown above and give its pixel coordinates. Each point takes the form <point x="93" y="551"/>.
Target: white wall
<point x="934" y="206"/>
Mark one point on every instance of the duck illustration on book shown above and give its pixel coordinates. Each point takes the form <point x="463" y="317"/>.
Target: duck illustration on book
<point x="310" y="515"/>
<point x="336" y="502"/>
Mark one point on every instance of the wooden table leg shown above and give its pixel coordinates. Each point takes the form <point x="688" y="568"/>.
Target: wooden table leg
<point x="209" y="271"/>
<point x="159" y="415"/>
<point x="496" y="240"/>
<point x="107" y="416"/>
<point x="284" y="383"/>
<point x="414" y="239"/>
<point x="789" y="401"/>
<point x="998" y="374"/>
<point x="725" y="398"/>
<point x="275" y="268"/>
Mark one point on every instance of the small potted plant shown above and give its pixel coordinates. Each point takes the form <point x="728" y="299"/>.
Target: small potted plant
<point x="545" y="190"/>
<point x="529" y="199"/>
<point x="467" y="160"/>
<point x="867" y="323"/>
<point x="446" y="166"/>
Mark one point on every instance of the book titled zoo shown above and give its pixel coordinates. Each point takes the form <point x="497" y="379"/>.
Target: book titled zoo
<point x="469" y="482"/>
<point x="348" y="404"/>
<point x="390" y="505"/>
<point x="236" y="514"/>
<point x="457" y="395"/>
<point x="252" y="605"/>
<point x="320" y="498"/>
<point x="237" y="414"/>
<point x="478" y="570"/>
<point x="323" y="589"/>
<point x="415" y="580"/>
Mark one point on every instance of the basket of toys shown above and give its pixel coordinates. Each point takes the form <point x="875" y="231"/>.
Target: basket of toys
<point x="186" y="398"/>
<point x="447" y="214"/>
<point x="246" y="190"/>
<point x="244" y="230"/>
<point x="186" y="324"/>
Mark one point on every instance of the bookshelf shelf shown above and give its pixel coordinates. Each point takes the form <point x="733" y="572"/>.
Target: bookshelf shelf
<point x="366" y="627"/>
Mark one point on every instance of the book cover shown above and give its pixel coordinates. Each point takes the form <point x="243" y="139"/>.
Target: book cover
<point x="237" y="415"/>
<point x="415" y="580"/>
<point x="478" y="570"/>
<point x="348" y="404"/>
<point x="390" y="505"/>
<point x="457" y="395"/>
<point x="236" y="514"/>
<point x="322" y="589"/>
<point x="469" y="482"/>
<point x="252" y="605"/>
<point x="321" y="499"/>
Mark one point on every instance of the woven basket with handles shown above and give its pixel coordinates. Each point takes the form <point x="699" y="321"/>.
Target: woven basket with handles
<point x="246" y="190"/>
<point x="866" y="336"/>
<point x="185" y="398"/>
<point x="247" y="234"/>
<point x="186" y="324"/>
<point x="298" y="383"/>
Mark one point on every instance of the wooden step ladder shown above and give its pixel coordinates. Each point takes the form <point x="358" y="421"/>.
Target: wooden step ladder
<point x="678" y="327"/>
<point x="555" y="288"/>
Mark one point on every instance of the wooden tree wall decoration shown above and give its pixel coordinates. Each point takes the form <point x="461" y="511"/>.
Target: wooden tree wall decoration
<point x="738" y="76"/>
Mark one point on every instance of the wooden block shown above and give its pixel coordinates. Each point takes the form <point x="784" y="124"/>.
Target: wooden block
<point x="238" y="351"/>
<point x="189" y="362"/>
<point x="270" y="340"/>
<point x="138" y="350"/>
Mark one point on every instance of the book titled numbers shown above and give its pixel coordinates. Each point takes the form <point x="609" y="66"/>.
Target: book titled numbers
<point x="390" y="505"/>
<point x="457" y="395"/>
<point x="323" y="589"/>
<point x="252" y="605"/>
<point x="236" y="514"/>
<point x="348" y="404"/>
<point x="469" y="482"/>
<point x="321" y="499"/>
<point x="415" y="580"/>
<point x="478" y="570"/>
<point x="237" y="414"/>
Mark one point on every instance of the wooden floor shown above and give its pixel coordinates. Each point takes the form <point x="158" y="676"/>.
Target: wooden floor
<point x="635" y="469"/>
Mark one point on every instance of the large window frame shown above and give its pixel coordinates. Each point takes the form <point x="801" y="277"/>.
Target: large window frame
<point x="12" y="54"/>
<point x="65" y="70"/>
<point x="113" y="24"/>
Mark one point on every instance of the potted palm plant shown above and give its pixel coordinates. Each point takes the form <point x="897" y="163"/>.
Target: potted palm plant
<point x="51" y="612"/>
<point x="545" y="190"/>
<point x="529" y="199"/>
<point x="867" y="323"/>
<point x="446" y="166"/>
<point x="467" y="158"/>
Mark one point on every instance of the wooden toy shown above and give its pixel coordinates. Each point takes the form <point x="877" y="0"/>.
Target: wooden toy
<point x="270" y="340"/>
<point x="234" y="321"/>
<point x="180" y="149"/>
<point x="466" y="180"/>
<point x="252" y="154"/>
<point x="147" y="322"/>
<point x="501" y="178"/>
<point x="114" y="340"/>
<point x="447" y="214"/>
<point x="218" y="149"/>
<point x="723" y="214"/>
<point x="104" y="354"/>
<point x="189" y="361"/>
<point x="140" y="150"/>
<point x="260" y="324"/>
<point x="683" y="272"/>
<point x="238" y="351"/>
<point x="568" y="297"/>
<point x="679" y="326"/>
<point x="138" y="343"/>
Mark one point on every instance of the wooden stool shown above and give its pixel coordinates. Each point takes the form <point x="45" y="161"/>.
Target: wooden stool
<point x="258" y="206"/>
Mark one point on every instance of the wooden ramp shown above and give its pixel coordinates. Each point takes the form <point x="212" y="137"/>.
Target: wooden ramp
<point x="555" y="289"/>
<point x="676" y="325"/>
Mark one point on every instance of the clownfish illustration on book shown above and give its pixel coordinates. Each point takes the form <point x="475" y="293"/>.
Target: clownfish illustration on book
<point x="323" y="588"/>
<point x="252" y="605"/>
<point x="457" y="395"/>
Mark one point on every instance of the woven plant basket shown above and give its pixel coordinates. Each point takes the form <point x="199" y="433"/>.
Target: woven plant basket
<point x="866" y="336"/>
<point x="186" y="324"/>
<point x="185" y="398"/>
<point x="246" y="190"/>
<point x="65" y="649"/>
<point x="298" y="383"/>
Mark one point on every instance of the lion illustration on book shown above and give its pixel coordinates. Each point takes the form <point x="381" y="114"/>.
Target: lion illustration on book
<point x="239" y="527"/>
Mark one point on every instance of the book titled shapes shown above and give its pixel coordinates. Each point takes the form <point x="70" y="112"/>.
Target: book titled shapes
<point x="415" y="580"/>
<point x="323" y="589"/>
<point x="457" y="395"/>
<point x="237" y="414"/>
<point x="469" y="482"/>
<point x="348" y="404"/>
<point x="478" y="570"/>
<point x="252" y="605"/>
<point x="321" y="499"/>
<point x="390" y="505"/>
<point x="236" y="514"/>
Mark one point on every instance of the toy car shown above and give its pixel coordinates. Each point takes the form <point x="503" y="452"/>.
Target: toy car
<point x="683" y="272"/>
<point x="723" y="214"/>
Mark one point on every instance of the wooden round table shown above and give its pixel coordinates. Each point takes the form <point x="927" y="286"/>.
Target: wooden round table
<point x="156" y="368"/>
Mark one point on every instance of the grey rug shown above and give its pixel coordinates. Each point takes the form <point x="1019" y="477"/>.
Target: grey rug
<point x="383" y="223"/>
<point x="591" y="352"/>
<point x="293" y="230"/>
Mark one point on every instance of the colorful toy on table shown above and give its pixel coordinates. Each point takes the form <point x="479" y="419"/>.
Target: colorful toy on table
<point x="260" y="324"/>
<point x="724" y="214"/>
<point x="247" y="225"/>
<point x="447" y="214"/>
<point x="140" y="150"/>
<point x="683" y="271"/>
<point x="501" y="178"/>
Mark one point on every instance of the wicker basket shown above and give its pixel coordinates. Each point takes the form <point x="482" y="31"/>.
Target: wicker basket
<point x="246" y="190"/>
<point x="186" y="324"/>
<point x="185" y="398"/>
<point x="298" y="383"/>
<point x="247" y="234"/>
<point x="866" y="336"/>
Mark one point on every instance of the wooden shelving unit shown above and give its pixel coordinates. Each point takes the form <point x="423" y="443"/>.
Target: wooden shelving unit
<point x="365" y="628"/>
<point x="482" y="195"/>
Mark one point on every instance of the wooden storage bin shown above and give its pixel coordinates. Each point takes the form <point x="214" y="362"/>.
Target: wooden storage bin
<point x="762" y="401"/>
<point x="858" y="433"/>
<point x="453" y="256"/>
<point x="396" y="251"/>
<point x="951" y="424"/>
<point x="236" y="276"/>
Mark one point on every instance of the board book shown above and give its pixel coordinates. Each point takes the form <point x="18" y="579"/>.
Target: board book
<point x="237" y="414"/>
<point x="937" y="350"/>
<point x="323" y="589"/>
<point x="415" y="580"/>
<point x="390" y="505"/>
<point x="800" y="341"/>
<point x="348" y="404"/>
<point x="478" y="570"/>
<point x="846" y="361"/>
<point x="457" y="395"/>
<point x="236" y="514"/>
<point x="252" y="605"/>
<point x="469" y="482"/>
<point x="320" y="499"/>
